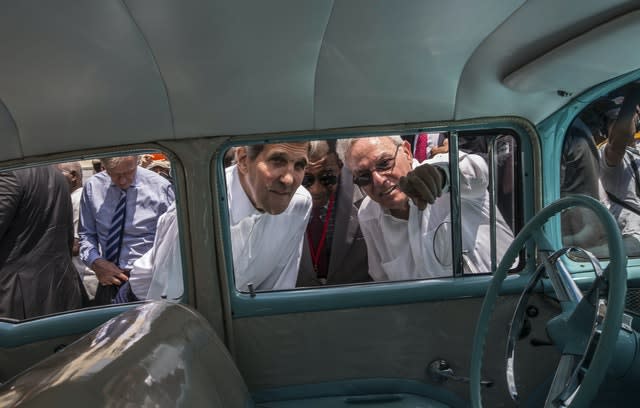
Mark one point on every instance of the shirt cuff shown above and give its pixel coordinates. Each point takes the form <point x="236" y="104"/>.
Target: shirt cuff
<point x="93" y="255"/>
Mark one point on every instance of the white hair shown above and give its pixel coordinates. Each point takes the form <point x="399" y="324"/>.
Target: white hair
<point x="110" y="162"/>
<point x="344" y="145"/>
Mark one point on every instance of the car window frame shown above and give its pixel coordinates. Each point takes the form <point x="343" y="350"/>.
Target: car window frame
<point x="555" y="128"/>
<point x="13" y="332"/>
<point x="244" y="304"/>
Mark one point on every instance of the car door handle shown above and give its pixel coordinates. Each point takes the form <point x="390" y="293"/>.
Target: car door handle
<point x="440" y="371"/>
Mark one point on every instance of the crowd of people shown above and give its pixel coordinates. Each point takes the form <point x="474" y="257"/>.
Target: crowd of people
<point x="65" y="244"/>
<point x="355" y="210"/>
<point x="301" y="214"/>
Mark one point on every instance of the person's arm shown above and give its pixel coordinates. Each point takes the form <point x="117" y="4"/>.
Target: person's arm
<point x="623" y="129"/>
<point x="9" y="199"/>
<point x="106" y="272"/>
<point x="424" y="184"/>
<point x="474" y="175"/>
<point x="145" y="267"/>
<point x="75" y="249"/>
<point x="87" y="233"/>
<point x="443" y="148"/>
<point x="141" y="273"/>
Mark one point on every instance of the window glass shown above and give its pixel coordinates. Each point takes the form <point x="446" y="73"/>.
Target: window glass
<point x="354" y="211"/>
<point x="600" y="159"/>
<point x="487" y="166"/>
<point x="83" y="233"/>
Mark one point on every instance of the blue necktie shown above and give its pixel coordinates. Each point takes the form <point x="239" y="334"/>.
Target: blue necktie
<point x="114" y="239"/>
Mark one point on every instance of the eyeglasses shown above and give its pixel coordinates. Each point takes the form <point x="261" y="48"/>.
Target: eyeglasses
<point x="382" y="167"/>
<point x="325" y="179"/>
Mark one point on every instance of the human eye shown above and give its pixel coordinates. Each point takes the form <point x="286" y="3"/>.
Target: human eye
<point x="362" y="179"/>
<point x="278" y="161"/>
<point x="301" y="165"/>
<point x="384" y="164"/>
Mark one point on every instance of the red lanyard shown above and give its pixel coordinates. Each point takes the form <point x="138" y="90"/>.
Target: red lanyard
<point x="315" y="253"/>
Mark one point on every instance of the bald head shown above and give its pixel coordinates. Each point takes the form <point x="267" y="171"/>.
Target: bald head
<point x="72" y="171"/>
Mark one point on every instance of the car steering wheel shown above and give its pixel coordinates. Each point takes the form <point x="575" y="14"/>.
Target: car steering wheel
<point x="568" y="329"/>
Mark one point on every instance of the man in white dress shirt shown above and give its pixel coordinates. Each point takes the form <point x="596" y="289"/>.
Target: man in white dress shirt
<point x="268" y="212"/>
<point x="405" y="218"/>
<point x="158" y="273"/>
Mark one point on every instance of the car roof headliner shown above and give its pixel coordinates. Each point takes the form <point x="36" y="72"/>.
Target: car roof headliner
<point x="86" y="74"/>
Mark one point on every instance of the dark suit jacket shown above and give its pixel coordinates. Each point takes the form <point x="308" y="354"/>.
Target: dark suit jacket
<point x="36" y="235"/>
<point x="348" y="262"/>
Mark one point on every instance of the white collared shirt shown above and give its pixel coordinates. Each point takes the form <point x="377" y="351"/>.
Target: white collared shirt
<point x="158" y="273"/>
<point x="420" y="247"/>
<point x="266" y="248"/>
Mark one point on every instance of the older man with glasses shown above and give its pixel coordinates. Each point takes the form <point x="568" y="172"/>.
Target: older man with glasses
<point x="334" y="250"/>
<point x="119" y="211"/>
<point x="405" y="218"/>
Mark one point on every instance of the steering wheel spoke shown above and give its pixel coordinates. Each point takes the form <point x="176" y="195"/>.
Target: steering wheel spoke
<point x="572" y="330"/>
<point x="565" y="383"/>
<point x="583" y="333"/>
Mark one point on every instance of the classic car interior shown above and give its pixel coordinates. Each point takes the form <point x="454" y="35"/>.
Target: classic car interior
<point x="554" y="323"/>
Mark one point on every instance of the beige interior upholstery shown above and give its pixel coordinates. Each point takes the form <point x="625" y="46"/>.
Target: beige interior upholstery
<point x="78" y="74"/>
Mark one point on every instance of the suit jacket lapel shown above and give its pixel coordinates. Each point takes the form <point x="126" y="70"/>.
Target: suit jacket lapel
<point x="306" y="274"/>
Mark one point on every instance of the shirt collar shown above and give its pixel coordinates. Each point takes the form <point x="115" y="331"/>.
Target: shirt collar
<point x="240" y="206"/>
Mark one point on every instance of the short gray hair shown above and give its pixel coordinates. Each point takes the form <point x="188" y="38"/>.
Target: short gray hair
<point x="254" y="150"/>
<point x="111" y="162"/>
<point x="344" y="145"/>
<point x="322" y="148"/>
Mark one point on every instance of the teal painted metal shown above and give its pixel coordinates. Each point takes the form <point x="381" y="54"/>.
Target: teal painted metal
<point x="568" y="337"/>
<point x="616" y="298"/>
<point x="552" y="132"/>
<point x="58" y="325"/>
<point x="363" y="295"/>
<point x="455" y="206"/>
<point x="625" y="357"/>
<point x="361" y="387"/>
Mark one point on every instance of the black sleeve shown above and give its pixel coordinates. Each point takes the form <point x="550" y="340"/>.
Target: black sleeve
<point x="10" y="193"/>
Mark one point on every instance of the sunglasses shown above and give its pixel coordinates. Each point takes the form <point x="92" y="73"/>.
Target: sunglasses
<point x="382" y="167"/>
<point x="326" y="180"/>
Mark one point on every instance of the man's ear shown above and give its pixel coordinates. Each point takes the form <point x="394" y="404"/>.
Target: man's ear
<point x="242" y="159"/>
<point x="406" y="146"/>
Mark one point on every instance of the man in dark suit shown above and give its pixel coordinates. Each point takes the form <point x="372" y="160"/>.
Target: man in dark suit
<point x="36" y="236"/>
<point x="334" y="250"/>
